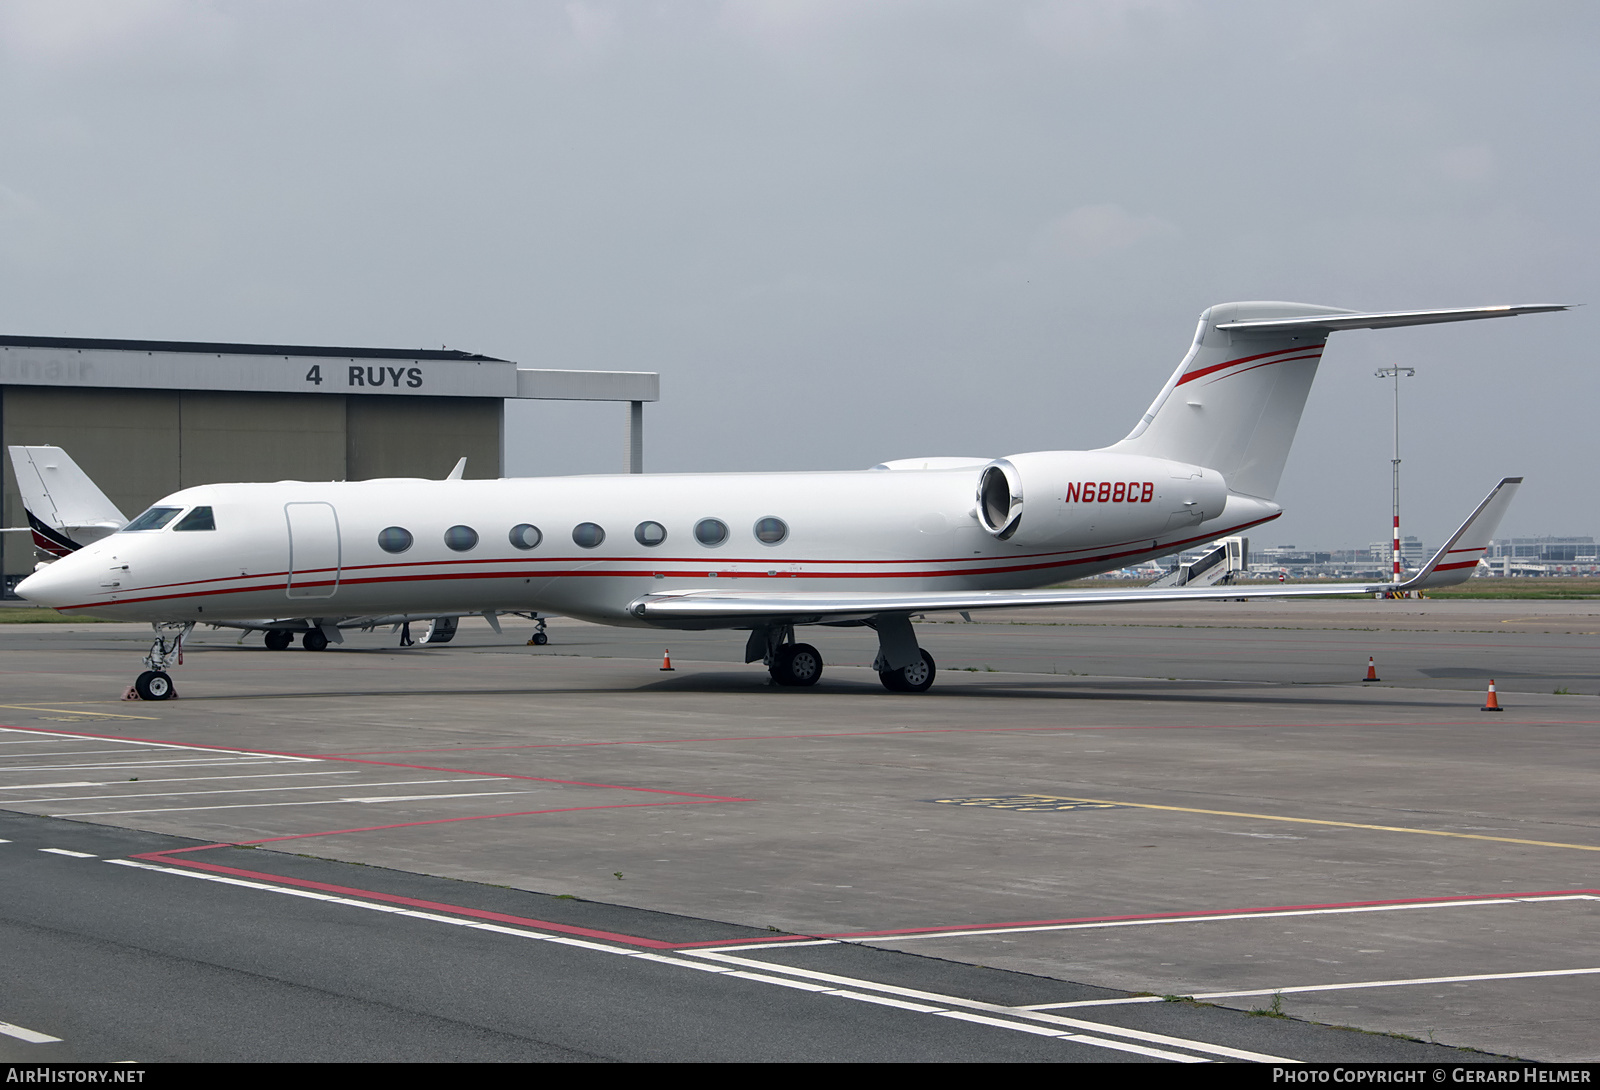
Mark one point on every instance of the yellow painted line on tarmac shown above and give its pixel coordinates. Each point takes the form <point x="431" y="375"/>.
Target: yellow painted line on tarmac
<point x="1339" y="824"/>
<point x="97" y="713"/>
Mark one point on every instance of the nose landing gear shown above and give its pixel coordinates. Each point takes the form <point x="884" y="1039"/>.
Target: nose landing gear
<point x="155" y="683"/>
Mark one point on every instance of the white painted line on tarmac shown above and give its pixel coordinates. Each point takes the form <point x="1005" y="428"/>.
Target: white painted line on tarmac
<point x="994" y="1008"/>
<point x="137" y="741"/>
<point x="142" y="782"/>
<point x="196" y="763"/>
<point x="32" y="1036"/>
<point x="1272" y="914"/>
<point x="308" y="802"/>
<point x="1315" y="988"/>
<point x="75" y="855"/>
<point x="242" y="790"/>
<point x="48" y="786"/>
<point x="967" y="1010"/>
<point x="1399" y="983"/>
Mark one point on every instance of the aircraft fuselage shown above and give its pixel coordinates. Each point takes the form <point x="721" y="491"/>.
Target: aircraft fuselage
<point x="420" y="546"/>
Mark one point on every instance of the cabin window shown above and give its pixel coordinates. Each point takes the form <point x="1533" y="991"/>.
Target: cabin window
<point x="650" y="533"/>
<point x="460" y="538"/>
<point x="770" y="530"/>
<point x="525" y="536"/>
<point x="587" y="535"/>
<point x="710" y="532"/>
<point x="394" y="539"/>
<point x="154" y="519"/>
<point x="198" y="519"/>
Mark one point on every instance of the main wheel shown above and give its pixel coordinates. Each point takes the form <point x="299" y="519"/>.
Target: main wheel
<point x="153" y="685"/>
<point x="916" y="678"/>
<point x="540" y="639"/>
<point x="314" y="640"/>
<point x="279" y="638"/>
<point x="796" y="664"/>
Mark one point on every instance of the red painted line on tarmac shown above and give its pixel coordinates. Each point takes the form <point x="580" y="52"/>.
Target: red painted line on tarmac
<point x="385" y="764"/>
<point x="957" y="929"/>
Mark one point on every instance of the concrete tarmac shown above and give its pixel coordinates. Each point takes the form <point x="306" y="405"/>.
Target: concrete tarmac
<point x="1201" y="802"/>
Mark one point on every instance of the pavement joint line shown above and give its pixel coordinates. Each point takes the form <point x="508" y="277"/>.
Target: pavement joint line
<point x="74" y="711"/>
<point x="22" y="1033"/>
<point x="970" y="1014"/>
<point x="1302" y="988"/>
<point x="1336" y="824"/>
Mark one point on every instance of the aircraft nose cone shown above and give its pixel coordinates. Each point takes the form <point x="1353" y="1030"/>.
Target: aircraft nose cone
<point x="48" y="587"/>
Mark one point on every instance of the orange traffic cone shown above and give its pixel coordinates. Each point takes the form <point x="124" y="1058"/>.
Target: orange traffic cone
<point x="1493" y="703"/>
<point x="1372" y="671"/>
<point x="666" y="660"/>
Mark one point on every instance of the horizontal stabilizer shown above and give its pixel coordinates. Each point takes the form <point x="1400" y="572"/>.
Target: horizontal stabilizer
<point x="1329" y="323"/>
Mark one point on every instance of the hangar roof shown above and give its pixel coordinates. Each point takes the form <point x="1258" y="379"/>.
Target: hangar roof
<point x="119" y="345"/>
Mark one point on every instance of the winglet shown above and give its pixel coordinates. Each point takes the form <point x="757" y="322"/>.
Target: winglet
<point x="461" y="468"/>
<point x="1458" y="558"/>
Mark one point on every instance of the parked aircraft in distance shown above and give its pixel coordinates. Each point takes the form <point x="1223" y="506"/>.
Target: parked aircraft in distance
<point x="66" y="510"/>
<point x="766" y="552"/>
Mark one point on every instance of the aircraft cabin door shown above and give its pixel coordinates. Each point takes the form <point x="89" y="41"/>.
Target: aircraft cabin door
<point x="313" y="550"/>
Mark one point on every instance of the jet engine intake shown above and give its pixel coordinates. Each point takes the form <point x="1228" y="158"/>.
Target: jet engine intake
<point x="1092" y="498"/>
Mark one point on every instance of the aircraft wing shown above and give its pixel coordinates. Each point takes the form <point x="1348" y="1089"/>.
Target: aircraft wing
<point x="1453" y="563"/>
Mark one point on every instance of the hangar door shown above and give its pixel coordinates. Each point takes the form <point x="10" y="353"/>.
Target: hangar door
<point x="313" y="550"/>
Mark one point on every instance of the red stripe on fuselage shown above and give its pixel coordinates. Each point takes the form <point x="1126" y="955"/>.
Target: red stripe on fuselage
<point x="1269" y="363"/>
<point x="1215" y="367"/>
<point x="701" y="573"/>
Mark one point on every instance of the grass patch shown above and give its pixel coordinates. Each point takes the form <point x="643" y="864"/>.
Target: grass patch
<point x="40" y="615"/>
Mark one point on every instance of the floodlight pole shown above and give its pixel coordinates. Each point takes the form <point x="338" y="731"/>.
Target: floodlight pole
<point x="1395" y="373"/>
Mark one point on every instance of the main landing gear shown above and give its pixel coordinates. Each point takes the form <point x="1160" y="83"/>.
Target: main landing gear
<point x="155" y="683"/>
<point x="789" y="663"/>
<point x="916" y="678"/>
<point x="903" y="667"/>
<point x="279" y="639"/>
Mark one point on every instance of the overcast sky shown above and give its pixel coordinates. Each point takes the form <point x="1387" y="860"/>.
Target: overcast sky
<point x="847" y="231"/>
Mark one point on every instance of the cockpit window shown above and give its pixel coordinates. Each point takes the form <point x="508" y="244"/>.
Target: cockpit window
<point x="198" y="519"/>
<point x="154" y="519"/>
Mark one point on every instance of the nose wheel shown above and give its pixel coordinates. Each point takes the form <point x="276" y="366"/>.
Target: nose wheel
<point x="155" y="683"/>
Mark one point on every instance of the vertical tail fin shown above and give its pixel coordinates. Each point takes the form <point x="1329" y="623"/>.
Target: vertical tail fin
<point x="66" y="510"/>
<point x="1235" y="401"/>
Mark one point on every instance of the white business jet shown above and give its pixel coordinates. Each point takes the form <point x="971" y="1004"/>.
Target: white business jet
<point x="66" y="510"/>
<point x="767" y="552"/>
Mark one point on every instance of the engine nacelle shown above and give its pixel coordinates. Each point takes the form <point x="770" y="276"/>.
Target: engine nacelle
<point x="1094" y="498"/>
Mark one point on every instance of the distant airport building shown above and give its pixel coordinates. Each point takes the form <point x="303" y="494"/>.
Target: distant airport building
<point x="146" y="418"/>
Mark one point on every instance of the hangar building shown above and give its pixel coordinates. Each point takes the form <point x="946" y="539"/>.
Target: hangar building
<point x="146" y="418"/>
